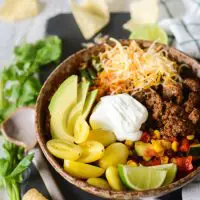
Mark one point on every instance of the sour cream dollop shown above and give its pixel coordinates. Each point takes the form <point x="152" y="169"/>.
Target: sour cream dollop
<point x="121" y="114"/>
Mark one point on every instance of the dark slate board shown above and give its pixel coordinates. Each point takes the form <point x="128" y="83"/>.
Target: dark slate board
<point x="65" y="27"/>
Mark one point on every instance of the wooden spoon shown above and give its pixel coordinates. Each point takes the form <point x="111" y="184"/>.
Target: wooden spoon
<point x="19" y="129"/>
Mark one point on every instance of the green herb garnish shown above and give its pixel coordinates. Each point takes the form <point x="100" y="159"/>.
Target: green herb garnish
<point x="19" y="86"/>
<point x="12" y="167"/>
<point x="19" y="83"/>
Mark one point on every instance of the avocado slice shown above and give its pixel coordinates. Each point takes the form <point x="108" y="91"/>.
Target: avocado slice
<point x="60" y="106"/>
<point x="78" y="108"/>
<point x="89" y="102"/>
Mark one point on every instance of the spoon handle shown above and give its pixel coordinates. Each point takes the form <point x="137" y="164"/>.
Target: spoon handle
<point x="42" y="167"/>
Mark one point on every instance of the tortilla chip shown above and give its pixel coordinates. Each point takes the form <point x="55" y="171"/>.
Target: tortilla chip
<point x="142" y="12"/>
<point x="91" y="16"/>
<point x="33" y="194"/>
<point x="14" y="10"/>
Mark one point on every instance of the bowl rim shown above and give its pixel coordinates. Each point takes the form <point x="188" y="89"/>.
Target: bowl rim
<point x="82" y="184"/>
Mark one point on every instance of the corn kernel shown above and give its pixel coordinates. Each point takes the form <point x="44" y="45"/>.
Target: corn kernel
<point x="160" y="154"/>
<point x="132" y="163"/>
<point x="129" y="143"/>
<point x="190" y="137"/>
<point x="175" y="146"/>
<point x="164" y="160"/>
<point x="146" y="158"/>
<point x="157" y="147"/>
<point x="166" y="144"/>
<point x="156" y="131"/>
<point x="156" y="134"/>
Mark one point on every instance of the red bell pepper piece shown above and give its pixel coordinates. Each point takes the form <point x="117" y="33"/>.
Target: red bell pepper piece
<point x="153" y="162"/>
<point x="185" y="145"/>
<point x="184" y="163"/>
<point x="150" y="153"/>
<point x="145" y="137"/>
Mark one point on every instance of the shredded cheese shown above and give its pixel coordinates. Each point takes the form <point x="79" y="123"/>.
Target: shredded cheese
<point x="130" y="69"/>
<point x="100" y="38"/>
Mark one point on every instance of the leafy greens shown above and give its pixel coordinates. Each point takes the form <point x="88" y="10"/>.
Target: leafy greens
<point x="11" y="168"/>
<point x="19" y="86"/>
<point x="19" y="83"/>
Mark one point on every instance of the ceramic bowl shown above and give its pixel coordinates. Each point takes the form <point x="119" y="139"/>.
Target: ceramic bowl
<point x="69" y="67"/>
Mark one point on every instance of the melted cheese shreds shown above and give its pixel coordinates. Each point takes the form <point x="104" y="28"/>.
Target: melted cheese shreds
<point x="130" y="68"/>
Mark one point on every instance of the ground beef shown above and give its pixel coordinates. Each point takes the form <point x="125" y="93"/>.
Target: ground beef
<point x="177" y="127"/>
<point x="154" y="103"/>
<point x="175" y="121"/>
<point x="172" y="110"/>
<point x="192" y="84"/>
<point x="194" y="116"/>
<point x="173" y="91"/>
<point x="168" y="110"/>
<point x="192" y="102"/>
<point x="140" y="96"/>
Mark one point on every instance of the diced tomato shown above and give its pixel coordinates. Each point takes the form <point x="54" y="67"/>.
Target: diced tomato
<point x="185" y="145"/>
<point x="150" y="153"/>
<point x="184" y="163"/>
<point x="153" y="162"/>
<point x="145" y="137"/>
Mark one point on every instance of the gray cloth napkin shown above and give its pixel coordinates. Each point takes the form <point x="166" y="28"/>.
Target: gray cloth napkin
<point x="183" y="24"/>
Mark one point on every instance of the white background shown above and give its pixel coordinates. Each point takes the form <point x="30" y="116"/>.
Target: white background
<point x="33" y="29"/>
